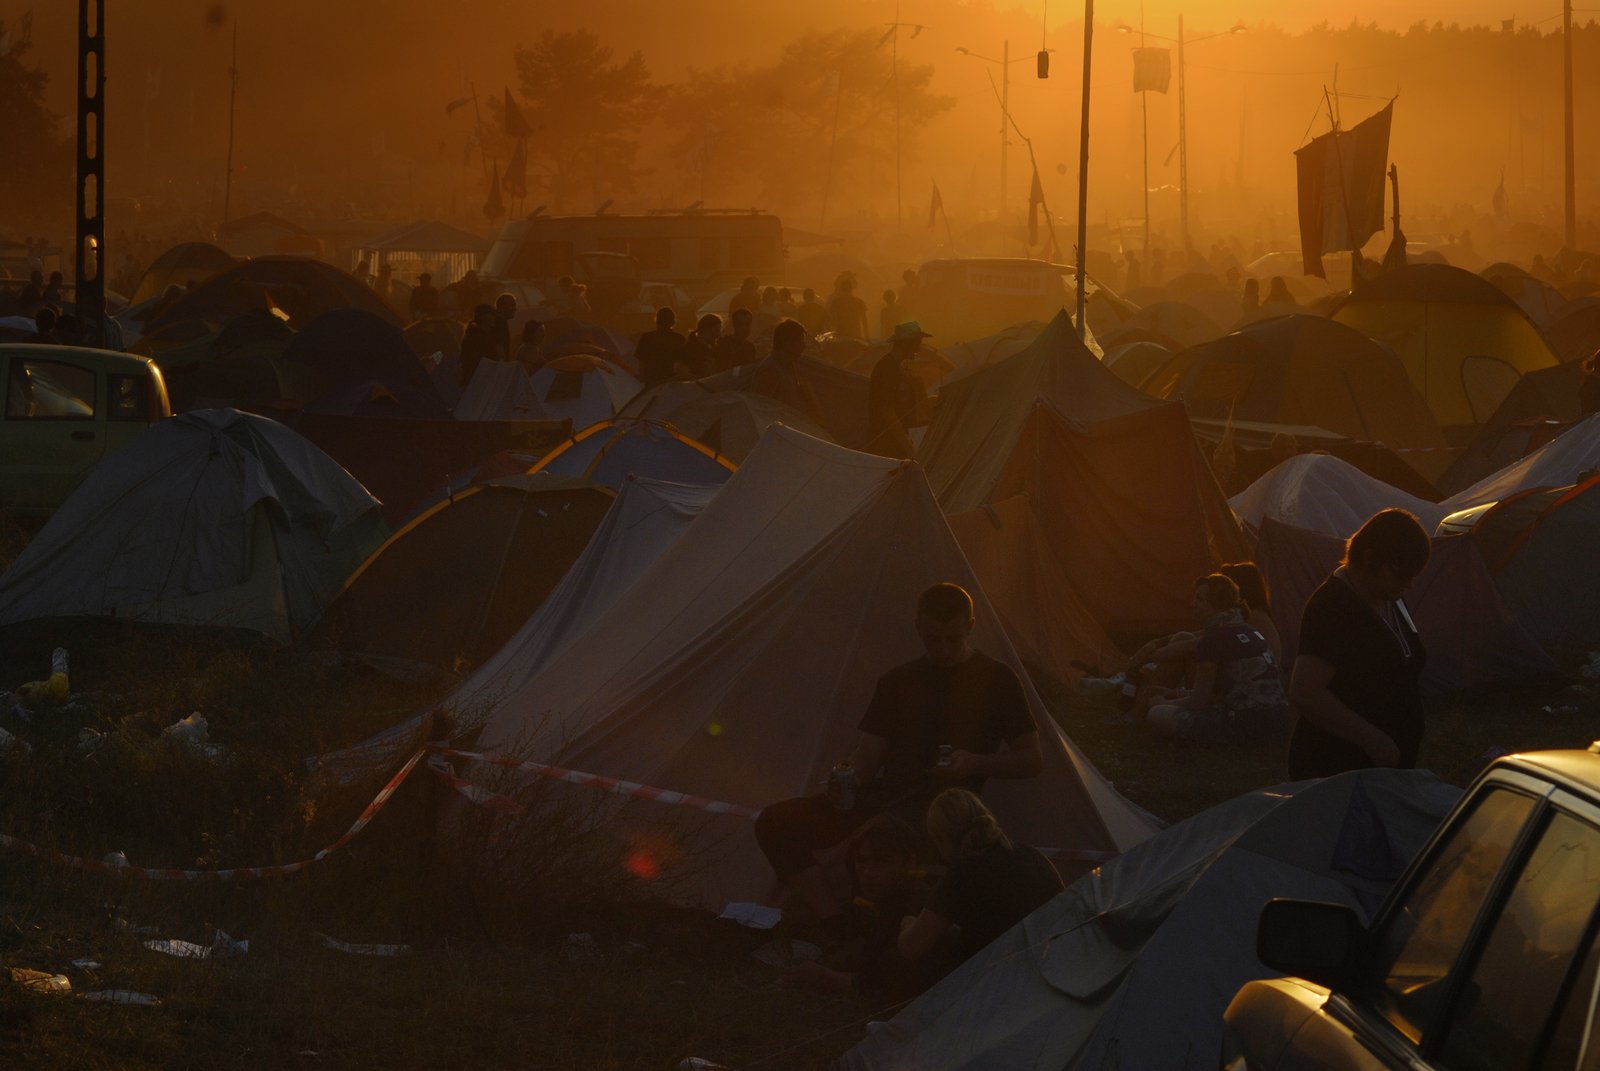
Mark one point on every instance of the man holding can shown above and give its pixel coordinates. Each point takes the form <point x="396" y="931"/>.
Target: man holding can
<point x="953" y="718"/>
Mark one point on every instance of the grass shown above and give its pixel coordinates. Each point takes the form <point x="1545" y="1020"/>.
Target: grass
<point x="489" y="982"/>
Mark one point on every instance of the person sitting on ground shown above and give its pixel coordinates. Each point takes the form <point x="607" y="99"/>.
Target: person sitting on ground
<point x="530" y="354"/>
<point x="699" y="356"/>
<point x="883" y="857"/>
<point x="992" y="884"/>
<point x="1257" y="603"/>
<point x="736" y="348"/>
<point x="1356" y="683"/>
<point x="953" y="696"/>
<point x="895" y="397"/>
<point x="480" y="342"/>
<point x="659" y="351"/>
<point x="811" y="313"/>
<point x="424" y="302"/>
<point x="778" y="377"/>
<point x="1237" y="693"/>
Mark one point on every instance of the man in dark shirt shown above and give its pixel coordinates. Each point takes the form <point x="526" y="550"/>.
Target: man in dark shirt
<point x="424" y="301"/>
<point x="953" y="697"/>
<point x="894" y="395"/>
<point x="748" y="297"/>
<point x="659" y="350"/>
<point x="811" y="313"/>
<point x="778" y="377"/>
<point x="736" y="348"/>
<point x="699" y="352"/>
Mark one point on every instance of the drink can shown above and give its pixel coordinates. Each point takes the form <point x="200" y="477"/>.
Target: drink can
<point x="843" y="779"/>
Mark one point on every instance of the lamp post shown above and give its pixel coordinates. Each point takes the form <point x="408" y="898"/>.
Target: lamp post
<point x="1183" y="126"/>
<point x="1004" y="64"/>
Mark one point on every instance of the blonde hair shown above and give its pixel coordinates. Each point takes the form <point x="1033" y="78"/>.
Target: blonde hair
<point x="960" y="825"/>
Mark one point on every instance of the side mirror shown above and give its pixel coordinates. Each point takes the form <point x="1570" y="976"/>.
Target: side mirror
<point x="1315" y="941"/>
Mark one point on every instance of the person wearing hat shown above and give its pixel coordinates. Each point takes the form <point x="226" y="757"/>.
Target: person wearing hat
<point x="895" y="397"/>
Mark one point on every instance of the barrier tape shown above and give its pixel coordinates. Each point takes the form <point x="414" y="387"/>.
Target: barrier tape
<point x="97" y="866"/>
<point x="493" y="801"/>
<point x="632" y="789"/>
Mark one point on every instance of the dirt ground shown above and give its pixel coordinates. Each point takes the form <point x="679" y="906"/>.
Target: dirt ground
<point x="493" y="978"/>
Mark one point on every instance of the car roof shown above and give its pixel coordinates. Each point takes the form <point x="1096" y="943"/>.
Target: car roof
<point x="1576" y="770"/>
<point x="44" y="350"/>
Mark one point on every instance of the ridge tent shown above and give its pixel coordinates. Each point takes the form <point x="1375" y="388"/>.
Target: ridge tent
<point x="610" y="452"/>
<point x="187" y="262"/>
<point x="214" y="517"/>
<point x="645" y="518"/>
<point x="1115" y="478"/>
<point x="740" y="664"/>
<point x="1132" y="966"/>
<point x="1463" y="342"/>
<point x="457" y="581"/>
<point x="1301" y="369"/>
<point x="1320" y="493"/>
<point x="1031" y="590"/>
<point x="301" y="287"/>
<point x="1471" y="636"/>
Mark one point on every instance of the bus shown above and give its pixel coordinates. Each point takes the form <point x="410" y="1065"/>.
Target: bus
<point x="702" y="251"/>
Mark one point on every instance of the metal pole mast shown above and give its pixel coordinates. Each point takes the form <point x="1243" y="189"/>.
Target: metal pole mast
<point x="1005" y="110"/>
<point x="1183" y="155"/>
<point x="1083" y="168"/>
<point x="90" y="256"/>
<point x="233" y="93"/>
<point x="1572" y="169"/>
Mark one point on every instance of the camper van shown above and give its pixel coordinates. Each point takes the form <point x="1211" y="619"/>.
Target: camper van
<point x="700" y="251"/>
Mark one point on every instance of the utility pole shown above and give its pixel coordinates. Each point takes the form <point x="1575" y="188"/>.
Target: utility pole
<point x="233" y="93"/>
<point x="1144" y="115"/>
<point x="894" y="73"/>
<point x="89" y="283"/>
<point x="1005" y="112"/>
<point x="1183" y="156"/>
<point x="1083" y="169"/>
<point x="1572" y="169"/>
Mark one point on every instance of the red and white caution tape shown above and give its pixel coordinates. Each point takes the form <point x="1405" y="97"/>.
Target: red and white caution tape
<point x="632" y="789"/>
<point x="493" y="801"/>
<point x="165" y="874"/>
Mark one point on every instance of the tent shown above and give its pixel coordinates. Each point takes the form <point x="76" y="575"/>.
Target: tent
<point x="730" y="422"/>
<point x="1032" y="590"/>
<point x="1114" y="477"/>
<point x="584" y="389"/>
<point x="1535" y="411"/>
<point x="979" y="352"/>
<point x="301" y="287"/>
<point x="1301" y="370"/>
<point x="239" y="364"/>
<point x="1321" y="493"/>
<point x="458" y="580"/>
<point x="1541" y="301"/>
<point x="425" y="246"/>
<point x="214" y="517"/>
<point x="1544" y="564"/>
<point x="1172" y="324"/>
<point x="1562" y="461"/>
<point x="646" y="517"/>
<point x="500" y="390"/>
<point x="1471" y="636"/>
<point x="610" y="452"/>
<point x="739" y="665"/>
<point x="1463" y="342"/>
<point x="1575" y="334"/>
<point x="184" y="263"/>
<point x="380" y="398"/>
<point x="1133" y="965"/>
<point x="349" y="346"/>
<point x="1135" y="362"/>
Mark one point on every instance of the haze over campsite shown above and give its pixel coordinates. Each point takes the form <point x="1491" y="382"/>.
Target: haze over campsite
<point x="905" y="534"/>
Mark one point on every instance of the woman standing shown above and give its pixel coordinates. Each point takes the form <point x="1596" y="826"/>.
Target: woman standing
<point x="1355" y="687"/>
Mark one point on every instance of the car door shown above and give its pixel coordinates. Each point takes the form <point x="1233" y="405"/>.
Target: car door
<point x="53" y="429"/>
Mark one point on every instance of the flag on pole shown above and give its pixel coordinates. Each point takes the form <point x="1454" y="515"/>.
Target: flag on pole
<point x="935" y="205"/>
<point x="1340" y="178"/>
<point x="1152" y="69"/>
<point x="515" y="181"/>
<point x="516" y="126"/>
<point x="459" y="102"/>
<point x="494" y="208"/>
<point x="1035" y="199"/>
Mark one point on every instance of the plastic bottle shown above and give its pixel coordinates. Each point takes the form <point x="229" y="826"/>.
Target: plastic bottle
<point x="58" y="686"/>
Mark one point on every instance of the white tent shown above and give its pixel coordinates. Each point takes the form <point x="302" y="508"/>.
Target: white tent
<point x="1132" y="966"/>
<point x="586" y="389"/>
<point x="1322" y="493"/>
<point x="500" y="390"/>
<point x="214" y="517"/>
<point x="738" y="667"/>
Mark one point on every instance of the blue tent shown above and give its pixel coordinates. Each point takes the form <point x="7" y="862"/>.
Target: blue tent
<point x="610" y="452"/>
<point x="347" y="347"/>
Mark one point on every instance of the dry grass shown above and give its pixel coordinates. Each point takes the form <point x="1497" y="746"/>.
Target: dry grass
<point x="489" y="983"/>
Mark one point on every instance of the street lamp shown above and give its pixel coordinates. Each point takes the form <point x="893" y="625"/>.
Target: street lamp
<point x="1004" y="63"/>
<point x="1183" y="127"/>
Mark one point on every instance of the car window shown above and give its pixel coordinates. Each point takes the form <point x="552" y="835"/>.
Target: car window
<point x="1577" y="1017"/>
<point x="1421" y="938"/>
<point x="1502" y="1008"/>
<point x="127" y="397"/>
<point x="48" y="390"/>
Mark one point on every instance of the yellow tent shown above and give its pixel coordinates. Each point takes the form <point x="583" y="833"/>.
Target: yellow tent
<point x="1463" y="342"/>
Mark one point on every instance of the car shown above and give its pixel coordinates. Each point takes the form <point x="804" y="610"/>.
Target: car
<point x="1483" y="956"/>
<point x="64" y="408"/>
